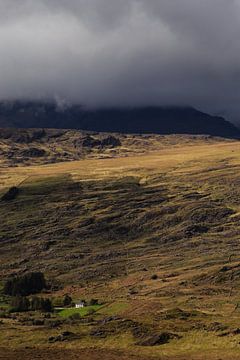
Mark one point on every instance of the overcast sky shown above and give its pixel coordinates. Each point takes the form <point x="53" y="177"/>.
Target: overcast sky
<point x="123" y="52"/>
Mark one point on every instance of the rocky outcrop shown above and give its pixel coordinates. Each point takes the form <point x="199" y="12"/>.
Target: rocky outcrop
<point x="33" y="152"/>
<point x="108" y="142"/>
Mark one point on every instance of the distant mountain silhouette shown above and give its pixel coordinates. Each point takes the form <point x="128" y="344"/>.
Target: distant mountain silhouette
<point x="160" y="120"/>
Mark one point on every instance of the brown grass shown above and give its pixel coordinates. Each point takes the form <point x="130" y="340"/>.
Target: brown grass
<point x="104" y="227"/>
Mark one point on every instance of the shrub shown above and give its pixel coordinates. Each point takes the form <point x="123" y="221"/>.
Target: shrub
<point x="53" y="323"/>
<point x="93" y="302"/>
<point x="38" y="322"/>
<point x="36" y="303"/>
<point x="20" y="304"/>
<point x="91" y="312"/>
<point x="47" y="305"/>
<point x="28" y="284"/>
<point x="3" y="314"/>
<point x="41" y="304"/>
<point x="75" y="316"/>
<point x="154" y="277"/>
<point x="67" y="301"/>
<point x="58" y="302"/>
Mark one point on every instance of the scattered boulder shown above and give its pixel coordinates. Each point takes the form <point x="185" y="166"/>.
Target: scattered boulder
<point x="225" y="274"/>
<point x="229" y="333"/>
<point x="21" y="136"/>
<point x="110" y="319"/>
<point x="65" y="336"/>
<point x="5" y="133"/>
<point x="99" y="333"/>
<point x="38" y="135"/>
<point x="193" y="196"/>
<point x="38" y="322"/>
<point x="53" y="323"/>
<point x="56" y="134"/>
<point x="33" y="152"/>
<point x="226" y="268"/>
<point x="113" y="325"/>
<point x="177" y="313"/>
<point x="110" y="141"/>
<point x="90" y="142"/>
<point x="158" y="339"/>
<point x="210" y="214"/>
<point x="193" y="230"/>
<point x="216" y="326"/>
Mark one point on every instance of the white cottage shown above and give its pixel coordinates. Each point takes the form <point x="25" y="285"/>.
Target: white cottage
<point x="80" y="304"/>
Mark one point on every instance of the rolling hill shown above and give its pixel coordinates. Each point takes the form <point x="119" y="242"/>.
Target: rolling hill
<point x="46" y="146"/>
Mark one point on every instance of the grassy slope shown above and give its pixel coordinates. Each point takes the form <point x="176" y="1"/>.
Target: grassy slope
<point x="65" y="313"/>
<point x="104" y="227"/>
<point x="68" y="145"/>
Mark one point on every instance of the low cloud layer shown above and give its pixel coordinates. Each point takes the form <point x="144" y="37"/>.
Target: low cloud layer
<point x="122" y="52"/>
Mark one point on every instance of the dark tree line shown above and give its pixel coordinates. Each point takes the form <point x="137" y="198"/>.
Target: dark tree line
<point x="22" y="304"/>
<point x="41" y="304"/>
<point x="31" y="283"/>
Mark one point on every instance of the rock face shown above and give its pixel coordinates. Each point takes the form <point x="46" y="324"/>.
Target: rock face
<point x="65" y="336"/>
<point x="108" y="142"/>
<point x="33" y="152"/>
<point x="23" y="136"/>
<point x="90" y="142"/>
<point x="158" y="339"/>
<point x="111" y="142"/>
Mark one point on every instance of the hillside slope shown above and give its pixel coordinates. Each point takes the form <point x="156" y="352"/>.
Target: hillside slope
<point x="46" y="146"/>
<point x="155" y="237"/>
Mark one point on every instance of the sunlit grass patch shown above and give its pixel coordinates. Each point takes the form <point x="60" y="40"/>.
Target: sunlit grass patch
<point x="82" y="311"/>
<point x="116" y="308"/>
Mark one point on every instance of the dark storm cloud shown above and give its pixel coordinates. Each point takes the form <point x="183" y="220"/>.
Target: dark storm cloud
<point x="122" y="52"/>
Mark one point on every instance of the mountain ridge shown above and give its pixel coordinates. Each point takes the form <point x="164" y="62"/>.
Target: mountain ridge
<point x="159" y="120"/>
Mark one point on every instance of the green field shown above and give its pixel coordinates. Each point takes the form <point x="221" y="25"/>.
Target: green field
<point x="82" y="311"/>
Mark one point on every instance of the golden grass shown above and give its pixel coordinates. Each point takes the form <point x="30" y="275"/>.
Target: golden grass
<point x="184" y="160"/>
<point x="191" y="179"/>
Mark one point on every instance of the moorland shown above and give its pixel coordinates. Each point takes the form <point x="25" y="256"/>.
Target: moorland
<point x="146" y="225"/>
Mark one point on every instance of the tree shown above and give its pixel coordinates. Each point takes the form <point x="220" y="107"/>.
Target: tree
<point x="47" y="305"/>
<point x="67" y="300"/>
<point x="20" y="304"/>
<point x="93" y="302"/>
<point x="25" y="285"/>
<point x="41" y="304"/>
<point x="36" y="303"/>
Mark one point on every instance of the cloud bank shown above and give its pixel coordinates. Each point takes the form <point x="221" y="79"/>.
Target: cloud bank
<point x="122" y="52"/>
